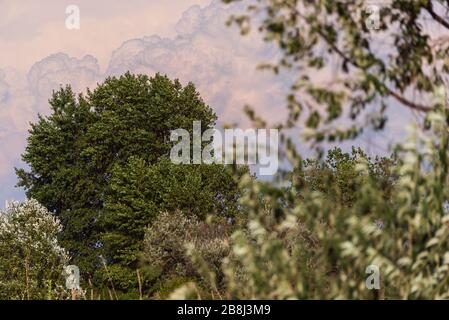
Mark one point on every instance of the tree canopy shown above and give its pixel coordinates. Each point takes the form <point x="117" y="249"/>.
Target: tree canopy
<point x="85" y="153"/>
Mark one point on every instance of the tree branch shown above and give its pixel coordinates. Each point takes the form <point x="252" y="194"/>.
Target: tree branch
<point x="439" y="19"/>
<point x="408" y="103"/>
<point x="394" y="94"/>
<point x="397" y="96"/>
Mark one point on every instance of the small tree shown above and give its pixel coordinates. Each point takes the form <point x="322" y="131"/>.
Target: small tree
<point x="165" y="241"/>
<point x="31" y="260"/>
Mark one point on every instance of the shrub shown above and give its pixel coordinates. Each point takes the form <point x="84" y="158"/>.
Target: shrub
<point x="166" y="239"/>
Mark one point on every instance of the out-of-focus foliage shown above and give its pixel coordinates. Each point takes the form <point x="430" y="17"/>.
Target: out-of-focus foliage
<point x="353" y="215"/>
<point x="404" y="235"/>
<point x="31" y="260"/>
<point x="351" y="59"/>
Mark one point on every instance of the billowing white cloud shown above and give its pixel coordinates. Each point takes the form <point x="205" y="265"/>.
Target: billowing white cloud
<point x="30" y="29"/>
<point x="216" y="58"/>
<point x="15" y="112"/>
<point x="59" y="70"/>
<point x="4" y="88"/>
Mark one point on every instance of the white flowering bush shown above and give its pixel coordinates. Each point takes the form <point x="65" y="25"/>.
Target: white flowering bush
<point x="31" y="260"/>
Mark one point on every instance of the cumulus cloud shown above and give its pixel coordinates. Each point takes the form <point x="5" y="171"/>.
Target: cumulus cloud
<point x="4" y="88"/>
<point x="22" y="97"/>
<point x="15" y="110"/>
<point x="59" y="70"/>
<point x="218" y="60"/>
<point x="31" y="30"/>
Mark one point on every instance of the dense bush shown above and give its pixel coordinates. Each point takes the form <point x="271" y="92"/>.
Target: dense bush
<point x="166" y="239"/>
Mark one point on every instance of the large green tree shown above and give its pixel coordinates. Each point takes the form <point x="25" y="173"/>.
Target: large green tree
<point x="73" y="154"/>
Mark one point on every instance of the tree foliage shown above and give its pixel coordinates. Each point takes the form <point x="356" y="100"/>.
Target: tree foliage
<point x="79" y="154"/>
<point x="338" y="178"/>
<point x="165" y="241"/>
<point x="139" y="192"/>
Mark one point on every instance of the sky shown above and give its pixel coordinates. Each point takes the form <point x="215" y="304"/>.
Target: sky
<point x="185" y="39"/>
